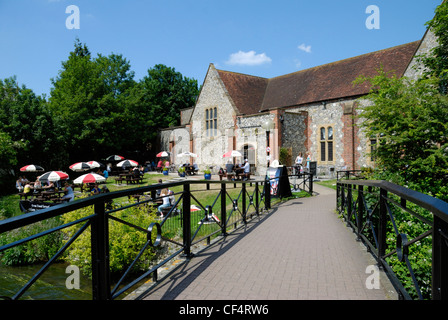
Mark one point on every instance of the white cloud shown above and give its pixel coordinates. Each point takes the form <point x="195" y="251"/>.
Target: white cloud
<point x="305" y="48"/>
<point x="250" y="58"/>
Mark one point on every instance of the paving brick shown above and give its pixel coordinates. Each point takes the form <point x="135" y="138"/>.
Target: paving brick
<point x="301" y="250"/>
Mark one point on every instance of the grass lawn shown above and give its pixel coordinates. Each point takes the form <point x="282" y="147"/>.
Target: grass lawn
<point x="9" y="205"/>
<point x="328" y="183"/>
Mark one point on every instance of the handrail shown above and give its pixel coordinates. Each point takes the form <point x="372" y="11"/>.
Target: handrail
<point x="437" y="206"/>
<point x="259" y="201"/>
<point x="372" y="215"/>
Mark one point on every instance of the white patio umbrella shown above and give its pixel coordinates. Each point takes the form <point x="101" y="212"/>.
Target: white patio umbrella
<point x="31" y="168"/>
<point x="162" y="154"/>
<point x="80" y="166"/>
<point x="187" y="154"/>
<point x="127" y="163"/>
<point x="94" y="164"/>
<point x="53" y="176"/>
<point x="89" y="178"/>
<point x="114" y="157"/>
<point x="233" y="153"/>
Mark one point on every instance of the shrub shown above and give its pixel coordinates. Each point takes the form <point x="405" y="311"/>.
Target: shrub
<point x="125" y="241"/>
<point x="38" y="250"/>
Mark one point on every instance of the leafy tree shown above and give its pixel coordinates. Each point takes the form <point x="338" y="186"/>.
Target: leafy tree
<point x="27" y="121"/>
<point x="85" y="99"/>
<point x="155" y="102"/>
<point x="409" y="119"/>
<point x="167" y="92"/>
<point x="437" y="62"/>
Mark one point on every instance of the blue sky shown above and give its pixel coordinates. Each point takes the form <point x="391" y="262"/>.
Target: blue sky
<point x="265" y="38"/>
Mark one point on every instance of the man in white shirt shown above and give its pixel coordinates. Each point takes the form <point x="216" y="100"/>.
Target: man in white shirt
<point x="246" y="168"/>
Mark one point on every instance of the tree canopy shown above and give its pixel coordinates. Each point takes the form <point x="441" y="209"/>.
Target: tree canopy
<point x="408" y="118"/>
<point x="96" y="108"/>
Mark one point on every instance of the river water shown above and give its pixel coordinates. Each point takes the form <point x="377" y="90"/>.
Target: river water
<point x="50" y="286"/>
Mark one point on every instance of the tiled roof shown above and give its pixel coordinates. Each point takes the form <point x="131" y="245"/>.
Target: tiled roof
<point x="327" y="82"/>
<point x="247" y="91"/>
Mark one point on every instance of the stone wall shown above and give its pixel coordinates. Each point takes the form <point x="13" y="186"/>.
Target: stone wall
<point x="338" y="115"/>
<point x="415" y="70"/>
<point x="294" y="132"/>
<point x="185" y="115"/>
<point x="211" y="148"/>
<point x="250" y="133"/>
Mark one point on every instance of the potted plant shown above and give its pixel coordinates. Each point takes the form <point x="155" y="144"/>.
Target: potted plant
<point x="165" y="171"/>
<point x="207" y="174"/>
<point x="181" y="171"/>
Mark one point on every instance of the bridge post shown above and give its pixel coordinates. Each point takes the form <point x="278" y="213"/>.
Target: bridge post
<point x="440" y="259"/>
<point x="349" y="206"/>
<point x="310" y="184"/>
<point x="382" y="226"/>
<point x="361" y="211"/>
<point x="256" y="199"/>
<point x="223" y="210"/>
<point x="243" y="191"/>
<point x="186" y="202"/>
<point x="267" y="193"/>
<point x="100" y="254"/>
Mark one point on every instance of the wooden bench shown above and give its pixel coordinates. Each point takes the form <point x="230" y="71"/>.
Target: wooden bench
<point x="119" y="180"/>
<point x="175" y="211"/>
<point x="25" y="195"/>
<point x="221" y="175"/>
<point x="134" y="180"/>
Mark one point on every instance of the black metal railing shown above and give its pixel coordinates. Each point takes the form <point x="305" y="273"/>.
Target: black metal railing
<point x="225" y="209"/>
<point x="399" y="226"/>
<point x="300" y="181"/>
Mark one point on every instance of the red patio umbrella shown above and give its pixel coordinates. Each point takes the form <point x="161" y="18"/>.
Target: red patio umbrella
<point x="127" y="163"/>
<point x="95" y="164"/>
<point x="53" y="176"/>
<point x="89" y="178"/>
<point x="162" y="154"/>
<point x="31" y="168"/>
<point x="114" y="157"/>
<point x="233" y="153"/>
<point x="80" y="166"/>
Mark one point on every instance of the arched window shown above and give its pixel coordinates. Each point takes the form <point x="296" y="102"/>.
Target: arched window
<point x="326" y="144"/>
<point x="211" y="122"/>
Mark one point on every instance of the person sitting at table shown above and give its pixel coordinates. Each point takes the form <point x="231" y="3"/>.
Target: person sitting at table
<point x="159" y="166"/>
<point x="195" y="168"/>
<point x="19" y="185"/>
<point x="106" y="174"/>
<point x="49" y="186"/>
<point x="159" y="191"/>
<point x="37" y="186"/>
<point x="96" y="189"/>
<point x="246" y="169"/>
<point x="229" y="166"/>
<point x="238" y="168"/>
<point x="27" y="189"/>
<point x="69" y="195"/>
<point x="166" y="201"/>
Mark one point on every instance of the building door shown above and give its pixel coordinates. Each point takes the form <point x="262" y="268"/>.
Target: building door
<point x="249" y="154"/>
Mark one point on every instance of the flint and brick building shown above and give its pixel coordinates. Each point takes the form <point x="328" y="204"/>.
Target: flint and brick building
<point x="314" y="111"/>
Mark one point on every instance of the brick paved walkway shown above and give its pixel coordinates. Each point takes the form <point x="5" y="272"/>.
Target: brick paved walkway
<point x="301" y="250"/>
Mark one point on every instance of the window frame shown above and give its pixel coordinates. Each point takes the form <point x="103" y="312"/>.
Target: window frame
<point x="326" y="150"/>
<point x="211" y="122"/>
